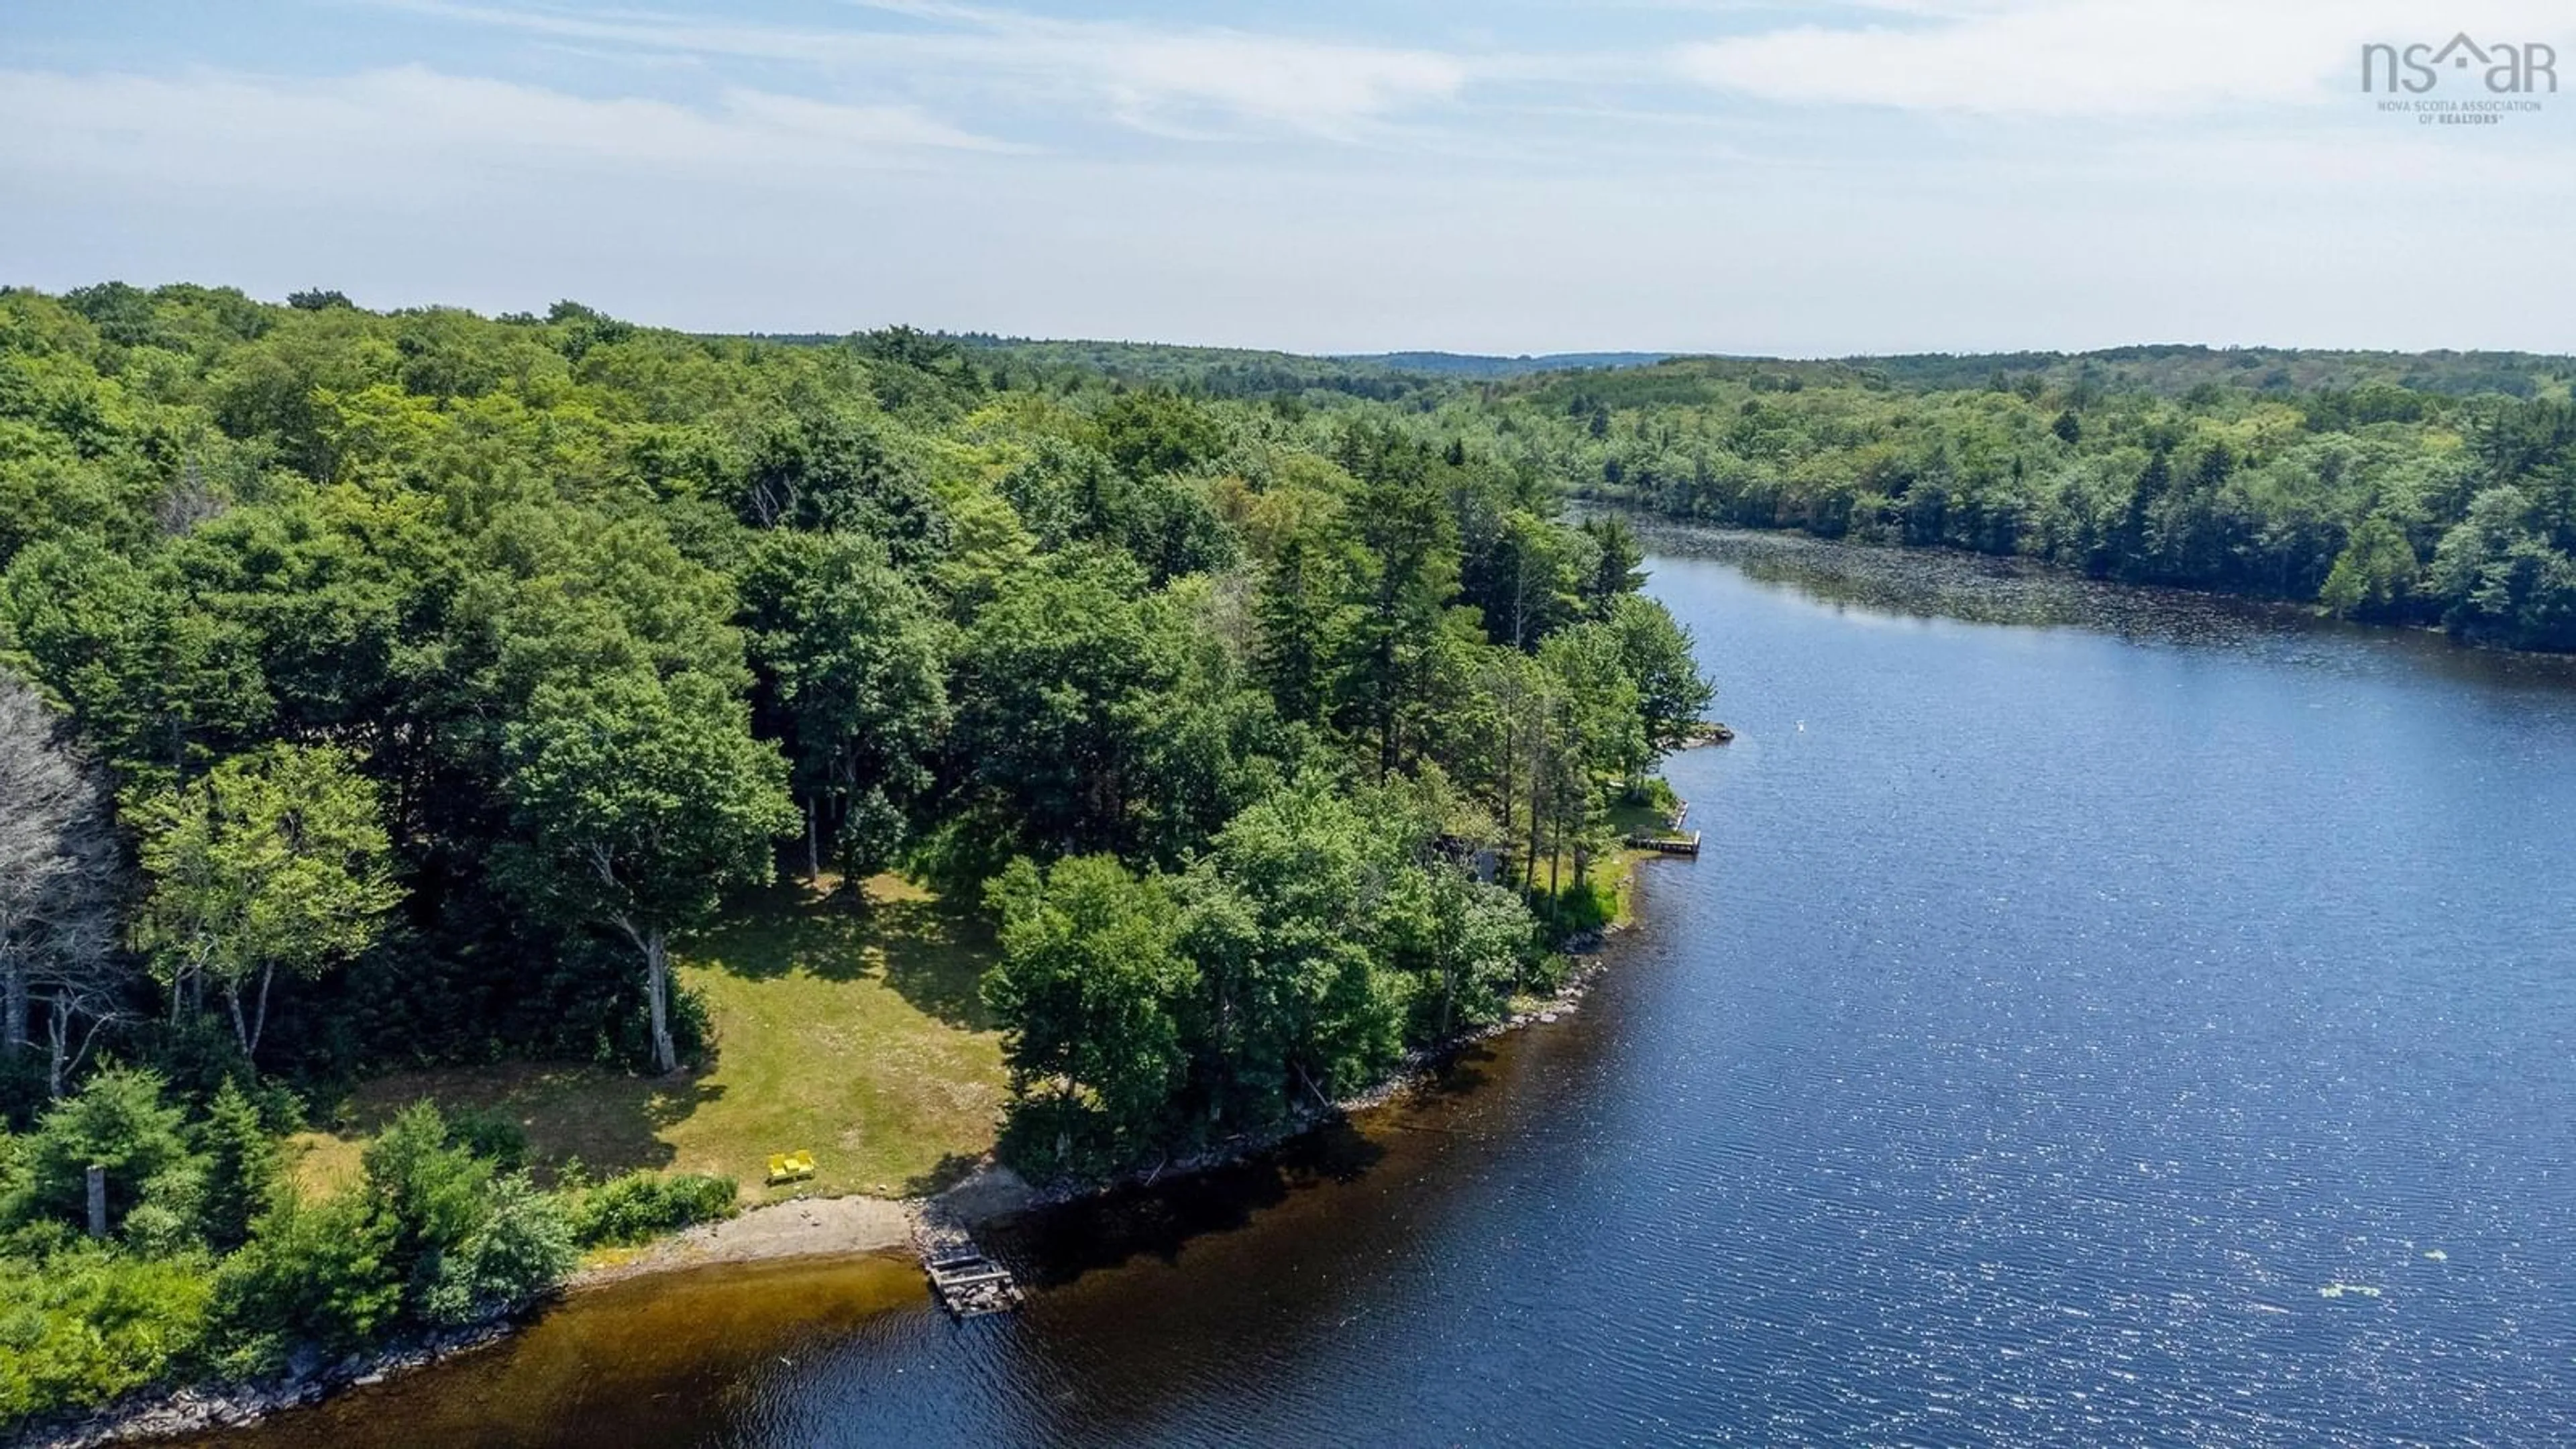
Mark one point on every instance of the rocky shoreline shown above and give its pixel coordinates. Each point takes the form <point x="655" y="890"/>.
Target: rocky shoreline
<point x="200" y="1408"/>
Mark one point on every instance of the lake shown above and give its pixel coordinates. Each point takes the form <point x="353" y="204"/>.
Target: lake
<point x="2097" y="1016"/>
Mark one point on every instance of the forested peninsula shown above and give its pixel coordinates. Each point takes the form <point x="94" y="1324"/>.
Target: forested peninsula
<point x="418" y="693"/>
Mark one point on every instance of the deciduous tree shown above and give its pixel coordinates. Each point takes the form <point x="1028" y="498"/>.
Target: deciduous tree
<point x="1089" y="989"/>
<point x="640" y="801"/>
<point x="275" y="860"/>
<point x="850" y="655"/>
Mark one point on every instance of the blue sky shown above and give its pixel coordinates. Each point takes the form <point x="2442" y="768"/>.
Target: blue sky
<point x="1703" y="175"/>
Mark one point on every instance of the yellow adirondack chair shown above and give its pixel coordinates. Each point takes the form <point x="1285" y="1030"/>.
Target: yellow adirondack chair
<point x="790" y="1167"/>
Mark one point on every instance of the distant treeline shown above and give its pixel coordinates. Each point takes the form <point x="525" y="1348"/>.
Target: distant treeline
<point x="2411" y="488"/>
<point x="2431" y="489"/>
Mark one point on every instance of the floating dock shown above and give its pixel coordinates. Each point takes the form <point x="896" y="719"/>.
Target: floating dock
<point x="966" y="1283"/>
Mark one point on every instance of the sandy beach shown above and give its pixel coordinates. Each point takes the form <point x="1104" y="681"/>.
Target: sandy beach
<point x="808" y="1227"/>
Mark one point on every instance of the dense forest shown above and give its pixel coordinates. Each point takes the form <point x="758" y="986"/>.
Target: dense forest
<point x="2405" y="488"/>
<point x="2384" y="500"/>
<point x="379" y="690"/>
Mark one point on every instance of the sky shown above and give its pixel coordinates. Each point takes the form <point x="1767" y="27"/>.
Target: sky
<point x="1324" y="176"/>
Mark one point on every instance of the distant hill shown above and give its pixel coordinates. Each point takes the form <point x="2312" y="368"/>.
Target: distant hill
<point x="1165" y="356"/>
<point x="2173" y="369"/>
<point x="2162" y="369"/>
<point x="1468" y="364"/>
<point x="1238" y="372"/>
<point x="1163" y="361"/>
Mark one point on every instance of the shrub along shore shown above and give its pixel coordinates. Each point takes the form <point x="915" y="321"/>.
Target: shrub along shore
<point x="687" y="1223"/>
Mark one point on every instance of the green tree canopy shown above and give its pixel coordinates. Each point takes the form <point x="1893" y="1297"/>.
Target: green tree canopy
<point x="851" y="658"/>
<point x="273" y="861"/>
<point x="1089" y="987"/>
<point x="638" y="802"/>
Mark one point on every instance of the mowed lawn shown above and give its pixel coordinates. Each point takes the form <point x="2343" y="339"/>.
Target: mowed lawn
<point x="852" y="1033"/>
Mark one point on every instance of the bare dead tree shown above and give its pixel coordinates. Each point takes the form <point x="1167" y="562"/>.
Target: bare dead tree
<point x="82" y="996"/>
<point x="189" y="502"/>
<point x="57" y="887"/>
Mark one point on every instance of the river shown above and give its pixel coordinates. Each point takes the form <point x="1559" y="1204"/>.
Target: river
<point x="2098" y="1016"/>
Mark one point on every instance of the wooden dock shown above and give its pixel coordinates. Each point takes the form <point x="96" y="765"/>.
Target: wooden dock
<point x="965" y="1282"/>
<point x="1684" y="842"/>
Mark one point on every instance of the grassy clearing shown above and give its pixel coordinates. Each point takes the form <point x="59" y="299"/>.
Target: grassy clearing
<point x="853" y="1033"/>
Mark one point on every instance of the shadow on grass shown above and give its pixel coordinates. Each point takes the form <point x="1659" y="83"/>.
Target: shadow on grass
<point x="951" y="1169"/>
<point x="788" y="929"/>
<point x="607" y="1121"/>
<point x="938" y="966"/>
<point x="932" y="957"/>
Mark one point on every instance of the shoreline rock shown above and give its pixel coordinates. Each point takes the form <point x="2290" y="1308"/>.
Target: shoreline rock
<point x="199" y="1408"/>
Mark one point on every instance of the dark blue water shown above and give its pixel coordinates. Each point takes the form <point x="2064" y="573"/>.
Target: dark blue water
<point x="2148" y="1024"/>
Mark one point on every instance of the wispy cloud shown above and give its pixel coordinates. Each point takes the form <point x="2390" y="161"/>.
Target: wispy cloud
<point x="1163" y="79"/>
<point x="237" y="129"/>
<point x="1325" y="89"/>
<point x="2114" y="58"/>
